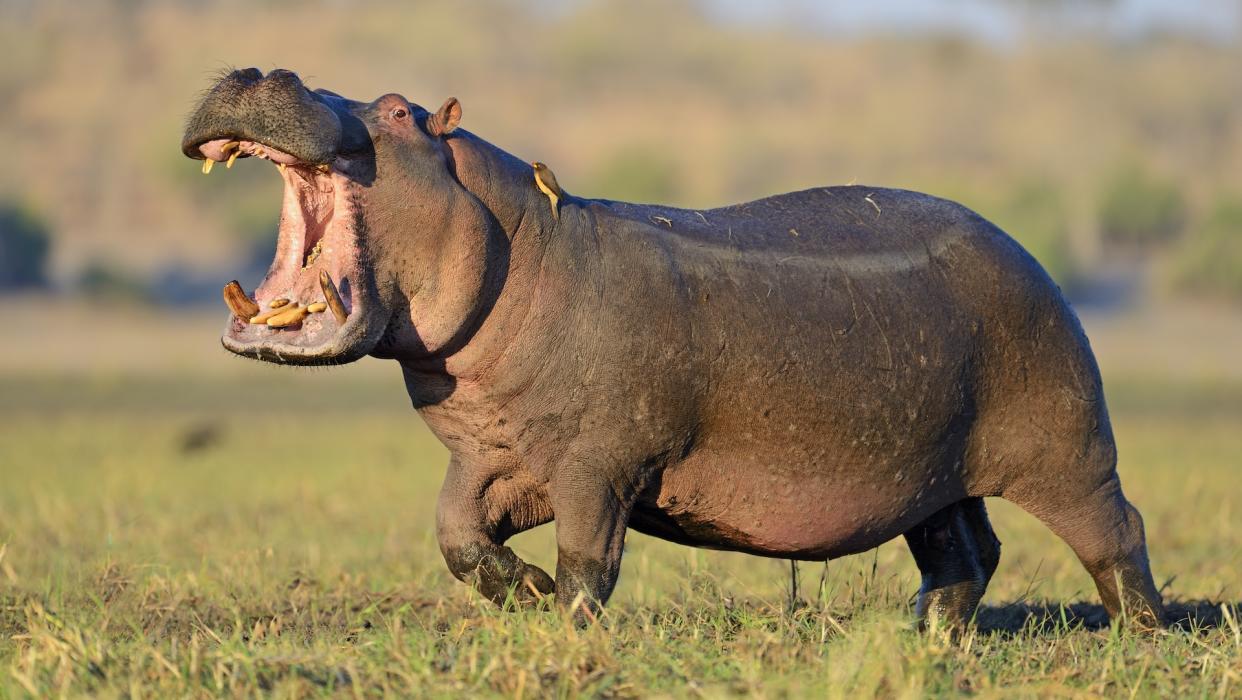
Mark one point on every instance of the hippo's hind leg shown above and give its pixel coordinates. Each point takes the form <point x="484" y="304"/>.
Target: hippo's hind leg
<point x="956" y="552"/>
<point x="1106" y="533"/>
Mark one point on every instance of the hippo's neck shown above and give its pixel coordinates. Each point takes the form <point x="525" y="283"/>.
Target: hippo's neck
<point x="503" y="183"/>
<point x="505" y="186"/>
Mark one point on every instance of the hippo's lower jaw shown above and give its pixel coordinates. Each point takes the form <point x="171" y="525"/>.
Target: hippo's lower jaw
<point x="312" y="307"/>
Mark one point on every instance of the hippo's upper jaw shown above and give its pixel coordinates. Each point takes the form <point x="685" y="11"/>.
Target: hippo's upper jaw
<point x="317" y="304"/>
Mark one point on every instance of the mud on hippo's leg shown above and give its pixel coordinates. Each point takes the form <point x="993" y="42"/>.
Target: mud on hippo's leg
<point x="496" y="572"/>
<point x="956" y="552"/>
<point x="474" y="552"/>
<point x="591" y="519"/>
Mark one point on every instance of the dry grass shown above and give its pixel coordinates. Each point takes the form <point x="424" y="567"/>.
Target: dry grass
<point x="241" y="529"/>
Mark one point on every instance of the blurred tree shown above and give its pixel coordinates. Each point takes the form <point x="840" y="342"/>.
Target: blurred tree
<point x="101" y="281"/>
<point x="1140" y="210"/>
<point x="25" y="241"/>
<point x="1209" y="261"/>
<point x="638" y="174"/>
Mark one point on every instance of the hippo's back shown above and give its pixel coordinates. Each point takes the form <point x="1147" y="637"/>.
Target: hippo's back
<point x="856" y="280"/>
<point x="855" y="225"/>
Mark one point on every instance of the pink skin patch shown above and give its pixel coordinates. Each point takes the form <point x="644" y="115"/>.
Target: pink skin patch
<point x="317" y="233"/>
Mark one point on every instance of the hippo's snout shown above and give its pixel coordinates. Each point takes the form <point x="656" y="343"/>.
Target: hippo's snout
<point x="276" y="110"/>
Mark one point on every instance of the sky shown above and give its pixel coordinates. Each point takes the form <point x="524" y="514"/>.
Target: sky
<point x="996" y="20"/>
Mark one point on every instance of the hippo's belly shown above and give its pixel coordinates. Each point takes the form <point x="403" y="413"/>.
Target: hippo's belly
<point x="814" y="463"/>
<point x="828" y="423"/>
<point x="754" y="504"/>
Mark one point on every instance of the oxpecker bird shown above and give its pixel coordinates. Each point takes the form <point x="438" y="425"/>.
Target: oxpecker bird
<point x="546" y="181"/>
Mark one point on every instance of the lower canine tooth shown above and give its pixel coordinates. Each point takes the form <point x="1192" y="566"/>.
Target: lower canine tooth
<point x="332" y="297"/>
<point x="288" y="317"/>
<point x="238" y="301"/>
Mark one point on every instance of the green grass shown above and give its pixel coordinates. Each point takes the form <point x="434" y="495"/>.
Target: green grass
<point x="182" y="536"/>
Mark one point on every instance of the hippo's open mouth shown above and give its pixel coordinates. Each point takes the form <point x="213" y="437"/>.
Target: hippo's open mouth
<point x="308" y="309"/>
<point x="319" y="302"/>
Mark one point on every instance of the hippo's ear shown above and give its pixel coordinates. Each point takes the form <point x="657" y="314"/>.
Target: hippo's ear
<point x="446" y="119"/>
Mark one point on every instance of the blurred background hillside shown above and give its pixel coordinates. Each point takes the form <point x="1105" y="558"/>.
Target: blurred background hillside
<point x="1105" y="135"/>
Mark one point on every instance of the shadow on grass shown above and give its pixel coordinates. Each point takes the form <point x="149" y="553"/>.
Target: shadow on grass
<point x="1049" y="618"/>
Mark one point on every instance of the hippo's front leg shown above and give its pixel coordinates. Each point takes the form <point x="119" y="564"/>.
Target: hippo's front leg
<point x="591" y="518"/>
<point x="472" y="522"/>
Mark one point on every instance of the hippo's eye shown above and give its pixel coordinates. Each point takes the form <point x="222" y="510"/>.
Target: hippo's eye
<point x="398" y="113"/>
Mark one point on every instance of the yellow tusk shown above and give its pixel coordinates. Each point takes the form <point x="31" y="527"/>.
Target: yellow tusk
<point x="207" y="166"/>
<point x="239" y="302"/>
<point x="230" y="146"/>
<point x="317" y="307"/>
<point x="332" y="297"/>
<point x="232" y="157"/>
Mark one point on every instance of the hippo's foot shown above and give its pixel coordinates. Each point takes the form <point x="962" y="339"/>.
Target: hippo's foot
<point x="956" y="552"/>
<point x="499" y="574"/>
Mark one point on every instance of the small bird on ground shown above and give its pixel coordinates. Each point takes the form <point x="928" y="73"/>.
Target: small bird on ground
<point x="546" y="181"/>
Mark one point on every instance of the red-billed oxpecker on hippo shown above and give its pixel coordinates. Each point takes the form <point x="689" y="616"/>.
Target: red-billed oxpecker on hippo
<point x="804" y="376"/>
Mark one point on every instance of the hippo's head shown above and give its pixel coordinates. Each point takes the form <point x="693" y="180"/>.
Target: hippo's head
<point x="371" y="222"/>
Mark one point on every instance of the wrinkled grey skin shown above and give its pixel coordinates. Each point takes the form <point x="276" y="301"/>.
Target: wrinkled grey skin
<point x="804" y="376"/>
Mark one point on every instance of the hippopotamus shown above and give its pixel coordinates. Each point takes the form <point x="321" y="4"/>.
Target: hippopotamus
<point x="804" y="376"/>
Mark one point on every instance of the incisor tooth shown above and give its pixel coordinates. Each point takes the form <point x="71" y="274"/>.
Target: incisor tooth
<point x="317" y="307"/>
<point x="288" y="317"/>
<point x="207" y="163"/>
<point x="277" y="303"/>
<point x="229" y="146"/>
<point x="282" y="168"/>
<point x="263" y="317"/>
<point x="238" y="301"/>
<point x="332" y="297"/>
<point x="232" y="157"/>
<point x="323" y="167"/>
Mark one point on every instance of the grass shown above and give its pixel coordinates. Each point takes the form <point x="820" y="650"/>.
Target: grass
<point x="272" y="531"/>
